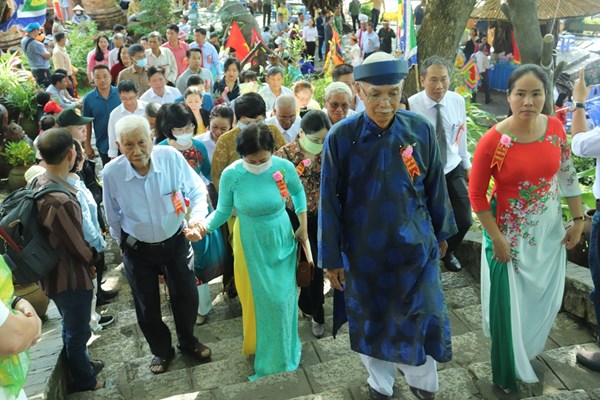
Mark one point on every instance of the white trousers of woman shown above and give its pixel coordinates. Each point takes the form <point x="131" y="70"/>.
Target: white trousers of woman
<point x="382" y="374"/>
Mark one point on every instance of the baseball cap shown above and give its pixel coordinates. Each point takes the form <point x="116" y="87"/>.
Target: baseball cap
<point x="52" y="107"/>
<point x="32" y="26"/>
<point x="71" y="116"/>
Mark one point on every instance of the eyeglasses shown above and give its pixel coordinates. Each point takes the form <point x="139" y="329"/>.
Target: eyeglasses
<point x="343" y="106"/>
<point x="182" y="130"/>
<point x="393" y="97"/>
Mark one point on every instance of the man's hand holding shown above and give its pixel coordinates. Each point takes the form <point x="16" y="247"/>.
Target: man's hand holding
<point x="337" y="278"/>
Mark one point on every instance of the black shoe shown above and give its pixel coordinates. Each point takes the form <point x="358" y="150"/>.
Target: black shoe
<point x="375" y="395"/>
<point x="451" y="263"/>
<point x="422" y="394"/>
<point x="589" y="359"/>
<point x="97" y="366"/>
<point x="488" y="101"/>
<point x="108" y="294"/>
<point x="106" y="321"/>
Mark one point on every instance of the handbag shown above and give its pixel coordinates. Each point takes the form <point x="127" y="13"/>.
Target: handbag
<point x="305" y="271"/>
<point x="580" y="252"/>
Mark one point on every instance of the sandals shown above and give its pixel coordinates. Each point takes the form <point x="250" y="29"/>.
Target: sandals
<point x="159" y="365"/>
<point x="199" y="351"/>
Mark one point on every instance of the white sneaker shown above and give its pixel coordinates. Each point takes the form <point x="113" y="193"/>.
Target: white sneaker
<point x="318" y="330"/>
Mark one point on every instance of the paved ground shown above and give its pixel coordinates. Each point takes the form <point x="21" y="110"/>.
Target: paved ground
<point x="329" y="370"/>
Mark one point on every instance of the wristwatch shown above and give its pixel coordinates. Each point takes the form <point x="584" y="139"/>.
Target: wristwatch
<point x="574" y="106"/>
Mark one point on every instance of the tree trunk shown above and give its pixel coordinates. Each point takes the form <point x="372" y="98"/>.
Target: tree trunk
<point x="533" y="48"/>
<point x="440" y="33"/>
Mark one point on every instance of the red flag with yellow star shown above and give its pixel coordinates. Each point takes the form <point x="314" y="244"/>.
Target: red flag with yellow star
<point x="236" y="41"/>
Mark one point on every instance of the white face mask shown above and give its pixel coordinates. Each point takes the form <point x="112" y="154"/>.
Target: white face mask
<point x="184" y="139"/>
<point x="257" y="169"/>
<point x="241" y="125"/>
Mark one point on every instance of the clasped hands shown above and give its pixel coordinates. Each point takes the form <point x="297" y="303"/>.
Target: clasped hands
<point x="195" y="231"/>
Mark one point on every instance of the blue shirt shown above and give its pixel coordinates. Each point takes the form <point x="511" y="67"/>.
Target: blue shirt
<point x="214" y="65"/>
<point x="94" y="105"/>
<point x="142" y="206"/>
<point x="35" y="53"/>
<point x="89" y="210"/>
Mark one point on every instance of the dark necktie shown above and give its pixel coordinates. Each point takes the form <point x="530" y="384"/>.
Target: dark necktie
<point x="441" y="134"/>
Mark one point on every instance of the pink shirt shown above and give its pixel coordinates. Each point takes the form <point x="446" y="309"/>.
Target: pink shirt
<point x="180" y="55"/>
<point x="92" y="61"/>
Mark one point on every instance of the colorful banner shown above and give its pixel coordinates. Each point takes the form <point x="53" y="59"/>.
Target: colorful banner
<point x="471" y="74"/>
<point x="406" y="32"/>
<point x="27" y="11"/>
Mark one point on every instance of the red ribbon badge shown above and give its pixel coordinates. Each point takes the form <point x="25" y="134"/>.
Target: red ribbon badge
<point x="410" y="162"/>
<point x="501" y="149"/>
<point x="176" y="199"/>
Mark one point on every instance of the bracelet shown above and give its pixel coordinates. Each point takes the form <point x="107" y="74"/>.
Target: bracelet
<point x="13" y="305"/>
<point x="581" y="218"/>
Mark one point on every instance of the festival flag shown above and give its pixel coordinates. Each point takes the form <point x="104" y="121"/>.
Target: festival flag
<point x="408" y="37"/>
<point x="26" y="12"/>
<point x="471" y="74"/>
<point x="236" y="41"/>
<point x="57" y="10"/>
<point x="256" y="39"/>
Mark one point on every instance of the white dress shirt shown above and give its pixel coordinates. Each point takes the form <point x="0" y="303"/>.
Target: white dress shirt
<point x="309" y="34"/>
<point x="270" y="98"/>
<point x="113" y="57"/>
<point x="166" y="60"/>
<point x="142" y="206"/>
<point x="207" y="141"/>
<point x="116" y="115"/>
<point x="289" y="134"/>
<point x="169" y="96"/>
<point x="455" y="125"/>
<point x="369" y="42"/>
<point x="587" y="144"/>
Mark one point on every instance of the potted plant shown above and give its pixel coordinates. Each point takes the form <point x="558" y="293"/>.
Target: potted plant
<point x="21" y="156"/>
<point x="18" y="92"/>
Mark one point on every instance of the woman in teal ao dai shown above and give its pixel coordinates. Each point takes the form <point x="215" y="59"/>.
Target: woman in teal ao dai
<point x="265" y="249"/>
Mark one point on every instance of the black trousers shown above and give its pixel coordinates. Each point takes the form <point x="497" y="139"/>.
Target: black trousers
<point x="320" y="47"/>
<point x="175" y="259"/>
<point x="310" y="50"/>
<point x="375" y="17"/>
<point x="311" y="298"/>
<point x="42" y="77"/>
<point x="354" y="23"/>
<point x="459" y="198"/>
<point x="266" y="15"/>
<point x="485" y="87"/>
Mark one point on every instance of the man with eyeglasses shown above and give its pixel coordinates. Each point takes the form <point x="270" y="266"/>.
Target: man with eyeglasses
<point x="384" y="217"/>
<point x="446" y="111"/>
<point x="345" y="73"/>
<point x="285" y="117"/>
<point x="338" y="98"/>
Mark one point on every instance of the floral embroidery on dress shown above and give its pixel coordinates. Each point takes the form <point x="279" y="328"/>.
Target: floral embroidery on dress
<point x="522" y="215"/>
<point x="194" y="158"/>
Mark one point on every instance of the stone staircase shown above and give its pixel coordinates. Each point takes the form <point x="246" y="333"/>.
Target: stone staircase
<point x="329" y="370"/>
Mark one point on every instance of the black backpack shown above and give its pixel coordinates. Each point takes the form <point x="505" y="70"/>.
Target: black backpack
<point x="26" y="248"/>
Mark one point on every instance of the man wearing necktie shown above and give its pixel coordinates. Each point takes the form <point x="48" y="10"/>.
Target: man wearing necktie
<point x="446" y="111"/>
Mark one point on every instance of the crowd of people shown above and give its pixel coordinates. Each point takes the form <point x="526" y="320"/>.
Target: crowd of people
<point x="205" y="172"/>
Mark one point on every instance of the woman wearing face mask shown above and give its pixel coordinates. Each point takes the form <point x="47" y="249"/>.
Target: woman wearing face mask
<point x="265" y="248"/>
<point x="178" y="124"/>
<point x="308" y="146"/>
